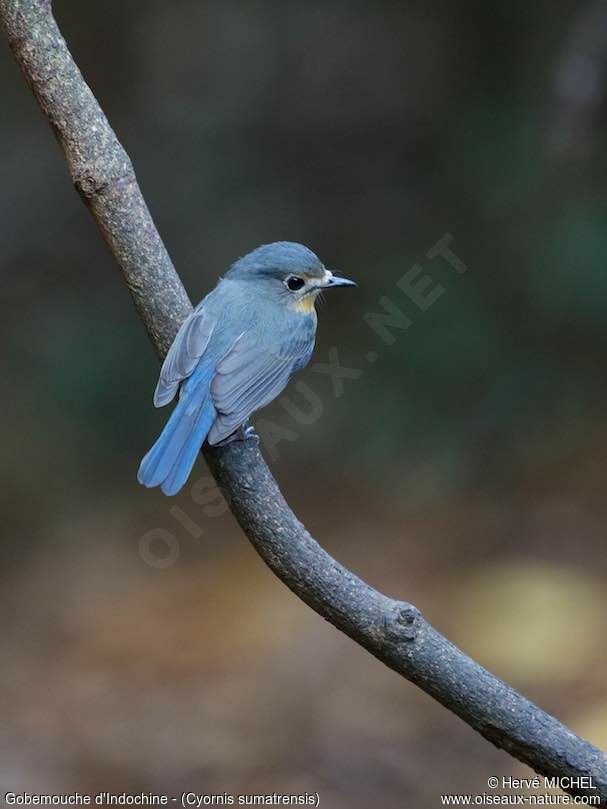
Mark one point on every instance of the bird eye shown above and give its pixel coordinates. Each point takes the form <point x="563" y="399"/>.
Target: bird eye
<point x="294" y="282"/>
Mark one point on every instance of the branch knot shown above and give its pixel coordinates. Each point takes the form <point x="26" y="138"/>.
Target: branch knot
<point x="89" y="184"/>
<point x="408" y="619"/>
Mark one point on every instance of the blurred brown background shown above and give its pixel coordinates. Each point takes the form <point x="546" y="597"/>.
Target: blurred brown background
<point x="465" y="470"/>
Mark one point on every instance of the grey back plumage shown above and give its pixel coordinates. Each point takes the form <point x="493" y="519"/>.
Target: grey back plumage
<point x="183" y="356"/>
<point x="251" y="375"/>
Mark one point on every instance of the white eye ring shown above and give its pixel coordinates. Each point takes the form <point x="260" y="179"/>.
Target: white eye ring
<point x="294" y="283"/>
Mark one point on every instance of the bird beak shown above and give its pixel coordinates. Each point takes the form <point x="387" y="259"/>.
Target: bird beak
<point x="337" y="281"/>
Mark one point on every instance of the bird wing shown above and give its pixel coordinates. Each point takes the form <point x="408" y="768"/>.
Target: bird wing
<point x="188" y="347"/>
<point x="248" y="377"/>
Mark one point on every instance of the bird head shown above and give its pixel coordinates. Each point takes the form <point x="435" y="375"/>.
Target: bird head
<point x="288" y="273"/>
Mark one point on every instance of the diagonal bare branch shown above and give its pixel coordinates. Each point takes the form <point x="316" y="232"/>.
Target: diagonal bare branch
<point x="393" y="631"/>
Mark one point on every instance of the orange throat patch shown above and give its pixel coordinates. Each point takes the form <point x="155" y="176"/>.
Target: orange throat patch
<point x="305" y="305"/>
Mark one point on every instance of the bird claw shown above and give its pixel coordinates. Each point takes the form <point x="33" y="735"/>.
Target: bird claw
<point x="246" y="432"/>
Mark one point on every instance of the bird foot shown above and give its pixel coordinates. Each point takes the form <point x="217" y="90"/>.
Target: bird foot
<point x="246" y="432"/>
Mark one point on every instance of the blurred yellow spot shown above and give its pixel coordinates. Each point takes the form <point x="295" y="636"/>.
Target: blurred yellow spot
<point x="529" y="621"/>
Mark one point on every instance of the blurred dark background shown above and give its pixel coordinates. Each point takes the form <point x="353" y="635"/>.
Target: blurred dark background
<point x="464" y="470"/>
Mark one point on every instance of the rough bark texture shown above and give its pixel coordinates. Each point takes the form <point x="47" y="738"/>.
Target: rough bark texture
<point x="393" y="631"/>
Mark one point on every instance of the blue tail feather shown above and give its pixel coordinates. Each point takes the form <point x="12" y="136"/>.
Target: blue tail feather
<point x="187" y="457"/>
<point x="170" y="461"/>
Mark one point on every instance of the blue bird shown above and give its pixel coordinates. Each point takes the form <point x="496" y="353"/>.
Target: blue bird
<point x="234" y="354"/>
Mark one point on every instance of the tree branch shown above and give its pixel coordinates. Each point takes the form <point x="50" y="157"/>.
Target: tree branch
<point x="393" y="631"/>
